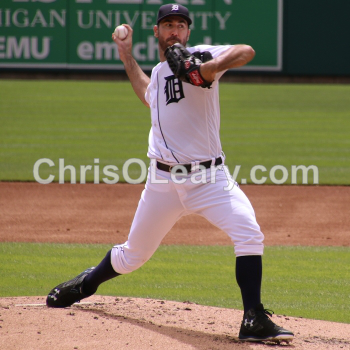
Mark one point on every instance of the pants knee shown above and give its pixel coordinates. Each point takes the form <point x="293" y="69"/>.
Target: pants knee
<point x="124" y="260"/>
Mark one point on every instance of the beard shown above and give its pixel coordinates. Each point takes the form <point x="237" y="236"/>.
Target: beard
<point x="165" y="43"/>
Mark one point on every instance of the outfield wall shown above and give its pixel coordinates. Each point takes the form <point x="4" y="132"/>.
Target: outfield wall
<point x="290" y="37"/>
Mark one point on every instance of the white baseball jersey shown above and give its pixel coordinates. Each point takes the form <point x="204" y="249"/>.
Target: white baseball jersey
<point x="185" y="118"/>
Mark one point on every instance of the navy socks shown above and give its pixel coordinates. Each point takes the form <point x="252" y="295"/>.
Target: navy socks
<point x="249" y="276"/>
<point x="102" y="273"/>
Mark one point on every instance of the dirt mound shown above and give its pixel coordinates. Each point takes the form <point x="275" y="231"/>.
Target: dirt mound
<point x="128" y="323"/>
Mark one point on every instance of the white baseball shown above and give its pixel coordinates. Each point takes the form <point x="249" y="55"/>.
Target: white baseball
<point x="121" y="32"/>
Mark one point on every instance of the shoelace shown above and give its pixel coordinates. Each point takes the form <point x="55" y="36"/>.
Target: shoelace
<point x="268" y="312"/>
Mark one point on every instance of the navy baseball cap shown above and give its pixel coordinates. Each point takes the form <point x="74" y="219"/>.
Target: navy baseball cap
<point x="173" y="10"/>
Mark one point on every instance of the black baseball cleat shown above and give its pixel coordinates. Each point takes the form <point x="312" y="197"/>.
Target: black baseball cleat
<point x="68" y="293"/>
<point x="257" y="326"/>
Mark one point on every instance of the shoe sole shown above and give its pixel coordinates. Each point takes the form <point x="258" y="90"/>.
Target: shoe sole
<point x="278" y="338"/>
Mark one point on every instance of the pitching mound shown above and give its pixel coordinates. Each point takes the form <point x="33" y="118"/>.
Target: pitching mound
<point x="128" y="323"/>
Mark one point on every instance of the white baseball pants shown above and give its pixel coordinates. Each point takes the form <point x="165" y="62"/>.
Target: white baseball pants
<point x="162" y="204"/>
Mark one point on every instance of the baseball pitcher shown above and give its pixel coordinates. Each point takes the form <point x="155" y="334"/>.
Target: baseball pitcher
<point x="187" y="173"/>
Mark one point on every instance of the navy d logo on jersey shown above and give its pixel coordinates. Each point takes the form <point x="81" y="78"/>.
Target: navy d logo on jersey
<point x="173" y="90"/>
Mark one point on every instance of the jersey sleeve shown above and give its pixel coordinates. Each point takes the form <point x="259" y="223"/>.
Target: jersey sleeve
<point x="147" y="94"/>
<point x="148" y="97"/>
<point x="215" y="52"/>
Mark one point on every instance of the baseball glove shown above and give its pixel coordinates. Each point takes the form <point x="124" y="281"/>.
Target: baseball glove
<point x="185" y="65"/>
<point x="204" y="56"/>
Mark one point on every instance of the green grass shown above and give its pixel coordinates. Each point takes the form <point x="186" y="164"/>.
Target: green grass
<point x="83" y="120"/>
<point x="288" y="125"/>
<point x="304" y="282"/>
<point x="77" y="121"/>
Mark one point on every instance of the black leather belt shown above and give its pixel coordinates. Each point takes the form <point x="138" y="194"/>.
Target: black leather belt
<point x="188" y="167"/>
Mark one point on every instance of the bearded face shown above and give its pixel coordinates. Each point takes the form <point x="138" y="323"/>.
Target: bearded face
<point x="172" y="30"/>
